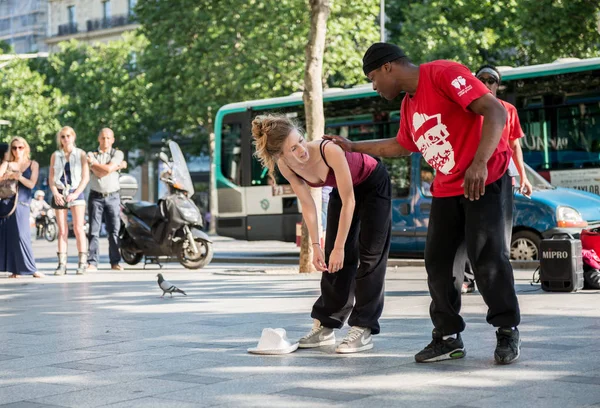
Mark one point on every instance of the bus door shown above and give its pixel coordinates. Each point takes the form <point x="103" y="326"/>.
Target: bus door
<point x="272" y="209"/>
<point x="234" y="164"/>
<point x="403" y="223"/>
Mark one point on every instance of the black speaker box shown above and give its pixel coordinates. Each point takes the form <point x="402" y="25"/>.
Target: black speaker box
<point x="561" y="264"/>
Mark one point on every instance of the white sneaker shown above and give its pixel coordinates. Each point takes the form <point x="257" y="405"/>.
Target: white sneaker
<point x="358" y="339"/>
<point x="318" y="336"/>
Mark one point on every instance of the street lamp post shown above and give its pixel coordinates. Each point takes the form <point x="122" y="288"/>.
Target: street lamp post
<point x="382" y="20"/>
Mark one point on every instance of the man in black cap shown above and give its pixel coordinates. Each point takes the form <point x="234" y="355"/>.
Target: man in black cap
<point x="454" y="121"/>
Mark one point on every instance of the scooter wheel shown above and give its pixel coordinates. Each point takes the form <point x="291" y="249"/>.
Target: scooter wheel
<point x="50" y="232"/>
<point x="131" y="257"/>
<point x="188" y="259"/>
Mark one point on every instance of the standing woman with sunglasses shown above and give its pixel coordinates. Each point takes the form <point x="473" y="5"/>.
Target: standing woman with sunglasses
<point x="16" y="254"/>
<point x="69" y="174"/>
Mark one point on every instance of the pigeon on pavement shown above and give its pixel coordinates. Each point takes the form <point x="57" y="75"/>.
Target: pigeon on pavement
<point x="168" y="287"/>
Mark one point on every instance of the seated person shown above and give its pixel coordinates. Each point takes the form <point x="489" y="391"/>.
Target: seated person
<point x="38" y="208"/>
<point x="426" y="180"/>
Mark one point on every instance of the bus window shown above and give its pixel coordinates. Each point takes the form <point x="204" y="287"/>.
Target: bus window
<point x="535" y="144"/>
<point x="260" y="175"/>
<point x="399" y="170"/>
<point x="231" y="152"/>
<point x="427" y="174"/>
<point x="578" y="138"/>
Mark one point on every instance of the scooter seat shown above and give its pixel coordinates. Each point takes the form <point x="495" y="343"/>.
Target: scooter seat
<point x="145" y="210"/>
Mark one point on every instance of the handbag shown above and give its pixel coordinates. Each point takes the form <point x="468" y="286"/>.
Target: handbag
<point x="16" y="201"/>
<point x="8" y="188"/>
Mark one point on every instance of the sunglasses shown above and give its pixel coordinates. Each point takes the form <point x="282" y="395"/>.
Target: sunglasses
<point x="17" y="147"/>
<point x="489" y="81"/>
<point x="65" y="136"/>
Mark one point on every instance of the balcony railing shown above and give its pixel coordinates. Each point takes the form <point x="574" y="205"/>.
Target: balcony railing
<point x="114" y="21"/>
<point x="97" y="24"/>
<point x="66" y="29"/>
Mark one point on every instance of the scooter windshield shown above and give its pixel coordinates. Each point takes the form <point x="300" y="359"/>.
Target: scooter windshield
<point x="181" y="174"/>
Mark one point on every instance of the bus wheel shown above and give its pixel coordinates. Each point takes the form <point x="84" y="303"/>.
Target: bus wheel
<point x="525" y="246"/>
<point x="188" y="259"/>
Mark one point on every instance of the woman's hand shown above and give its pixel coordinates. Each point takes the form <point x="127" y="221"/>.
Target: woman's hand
<point x="71" y="197"/>
<point x="15" y="175"/>
<point x="319" y="259"/>
<point x="59" y="199"/>
<point x="336" y="260"/>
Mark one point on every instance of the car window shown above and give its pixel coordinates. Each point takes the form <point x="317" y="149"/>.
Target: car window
<point x="399" y="170"/>
<point x="427" y="175"/>
<point x="537" y="181"/>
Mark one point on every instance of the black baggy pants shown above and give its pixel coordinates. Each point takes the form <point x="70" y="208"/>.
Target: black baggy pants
<point x="357" y="289"/>
<point x="460" y="228"/>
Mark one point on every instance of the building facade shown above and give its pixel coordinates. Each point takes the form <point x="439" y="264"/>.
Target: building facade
<point x="90" y="21"/>
<point x="23" y="24"/>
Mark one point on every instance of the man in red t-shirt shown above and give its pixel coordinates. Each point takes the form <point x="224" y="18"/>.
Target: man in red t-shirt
<point x="490" y="77"/>
<point x="454" y="121"/>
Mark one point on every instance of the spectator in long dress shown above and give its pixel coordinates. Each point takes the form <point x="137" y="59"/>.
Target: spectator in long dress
<point x="16" y="254"/>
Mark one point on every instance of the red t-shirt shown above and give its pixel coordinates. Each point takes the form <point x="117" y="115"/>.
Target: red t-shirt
<point x="437" y="123"/>
<point x="512" y="128"/>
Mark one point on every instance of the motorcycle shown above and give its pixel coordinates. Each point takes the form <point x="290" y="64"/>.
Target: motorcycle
<point x="171" y="228"/>
<point x="47" y="226"/>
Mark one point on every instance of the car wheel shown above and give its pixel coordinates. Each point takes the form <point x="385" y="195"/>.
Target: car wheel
<point x="525" y="246"/>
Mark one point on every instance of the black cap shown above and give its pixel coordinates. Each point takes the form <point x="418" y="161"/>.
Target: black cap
<point x="380" y="53"/>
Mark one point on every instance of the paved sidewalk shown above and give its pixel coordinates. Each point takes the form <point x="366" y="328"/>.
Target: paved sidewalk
<point x="107" y="339"/>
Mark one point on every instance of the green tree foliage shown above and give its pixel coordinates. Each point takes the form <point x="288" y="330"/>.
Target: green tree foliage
<point x="504" y="32"/>
<point x="30" y="105"/>
<point x="559" y="28"/>
<point x="204" y="54"/>
<point x="105" y="88"/>
<point x="5" y="47"/>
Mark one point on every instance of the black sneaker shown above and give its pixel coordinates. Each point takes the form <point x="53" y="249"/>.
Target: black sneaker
<point x="440" y="349"/>
<point x="508" y="348"/>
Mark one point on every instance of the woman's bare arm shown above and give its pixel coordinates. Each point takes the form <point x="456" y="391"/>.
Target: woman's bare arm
<point x="337" y="160"/>
<point x="31" y="182"/>
<point x="309" y="210"/>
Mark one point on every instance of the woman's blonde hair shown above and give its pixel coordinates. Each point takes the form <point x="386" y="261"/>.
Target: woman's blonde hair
<point x="65" y="128"/>
<point x="11" y="156"/>
<point x="270" y="133"/>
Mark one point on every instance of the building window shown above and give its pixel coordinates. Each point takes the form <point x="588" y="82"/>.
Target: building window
<point x="106" y="10"/>
<point x="71" y="14"/>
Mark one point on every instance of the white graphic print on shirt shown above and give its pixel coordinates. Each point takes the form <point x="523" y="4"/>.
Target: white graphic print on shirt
<point x="430" y="137"/>
<point x="461" y="84"/>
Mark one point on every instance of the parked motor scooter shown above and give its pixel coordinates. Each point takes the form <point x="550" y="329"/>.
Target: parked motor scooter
<point x="46" y="225"/>
<point x="172" y="228"/>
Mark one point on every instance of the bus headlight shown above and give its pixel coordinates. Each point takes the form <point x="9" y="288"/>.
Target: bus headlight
<point x="568" y="217"/>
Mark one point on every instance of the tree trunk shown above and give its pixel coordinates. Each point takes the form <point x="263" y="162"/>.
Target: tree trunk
<point x="313" y="107"/>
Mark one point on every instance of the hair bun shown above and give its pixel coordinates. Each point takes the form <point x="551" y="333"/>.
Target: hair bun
<point x="259" y="127"/>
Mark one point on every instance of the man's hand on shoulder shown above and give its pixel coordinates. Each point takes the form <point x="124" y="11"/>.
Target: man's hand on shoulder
<point x="341" y="141"/>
